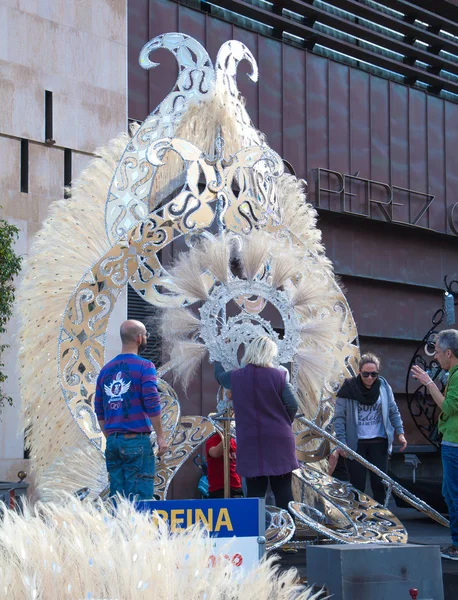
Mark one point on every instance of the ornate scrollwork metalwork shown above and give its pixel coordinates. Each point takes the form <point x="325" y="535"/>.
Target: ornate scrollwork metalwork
<point x="128" y="199"/>
<point x="281" y="527"/>
<point x="348" y="515"/>
<point x="189" y="436"/>
<point x="423" y="409"/>
<point x="393" y="485"/>
<point x="236" y="192"/>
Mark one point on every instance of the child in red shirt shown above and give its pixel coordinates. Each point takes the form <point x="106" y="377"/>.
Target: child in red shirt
<point x="215" y="462"/>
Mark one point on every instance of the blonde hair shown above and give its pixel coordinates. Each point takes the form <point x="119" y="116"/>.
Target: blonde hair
<point x="260" y="352"/>
<point x="369" y="358"/>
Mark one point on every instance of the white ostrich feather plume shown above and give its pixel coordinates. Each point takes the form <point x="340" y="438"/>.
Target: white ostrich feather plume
<point x="74" y="469"/>
<point x="72" y="238"/>
<point x="313" y="370"/>
<point x="215" y="256"/>
<point x="186" y="357"/>
<point x="299" y="216"/>
<point x="85" y="550"/>
<point x="283" y="267"/>
<point x="186" y="276"/>
<point x="309" y="292"/>
<point x="254" y="252"/>
<point x="322" y="332"/>
<point x="178" y="323"/>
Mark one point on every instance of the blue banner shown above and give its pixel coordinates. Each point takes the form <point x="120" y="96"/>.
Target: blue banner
<point x="223" y="518"/>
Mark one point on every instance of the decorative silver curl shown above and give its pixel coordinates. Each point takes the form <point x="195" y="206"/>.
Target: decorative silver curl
<point x="84" y="295"/>
<point x="281" y="527"/>
<point x="195" y="80"/>
<point x="240" y="329"/>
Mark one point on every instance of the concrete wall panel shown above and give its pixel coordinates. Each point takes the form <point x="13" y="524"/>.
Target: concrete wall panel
<point x="76" y="49"/>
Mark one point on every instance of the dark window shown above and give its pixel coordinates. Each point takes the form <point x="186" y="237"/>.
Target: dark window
<point x="48" y="118"/>
<point x="25" y="166"/>
<point x="67" y="171"/>
<point x="140" y="310"/>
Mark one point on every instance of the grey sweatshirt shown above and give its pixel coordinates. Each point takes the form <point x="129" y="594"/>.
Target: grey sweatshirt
<point x="346" y="418"/>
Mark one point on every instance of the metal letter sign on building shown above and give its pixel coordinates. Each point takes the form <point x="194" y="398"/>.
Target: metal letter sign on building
<point x="369" y="193"/>
<point x="236" y="526"/>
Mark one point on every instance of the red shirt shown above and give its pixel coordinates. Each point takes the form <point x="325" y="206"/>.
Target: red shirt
<point x="216" y="466"/>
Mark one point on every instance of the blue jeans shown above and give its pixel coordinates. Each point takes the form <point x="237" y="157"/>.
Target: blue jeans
<point x="450" y="487"/>
<point x="131" y="466"/>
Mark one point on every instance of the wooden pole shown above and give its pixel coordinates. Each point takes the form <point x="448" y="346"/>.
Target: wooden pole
<point x="226" y="453"/>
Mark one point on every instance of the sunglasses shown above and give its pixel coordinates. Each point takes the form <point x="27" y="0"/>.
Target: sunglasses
<point x="146" y="334"/>
<point x="372" y="374"/>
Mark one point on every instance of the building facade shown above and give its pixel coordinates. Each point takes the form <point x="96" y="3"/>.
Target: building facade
<point x="63" y="93"/>
<point x="374" y="133"/>
<point x="365" y="110"/>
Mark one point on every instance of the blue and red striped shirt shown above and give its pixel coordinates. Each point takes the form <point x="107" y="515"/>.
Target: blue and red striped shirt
<point x="126" y="395"/>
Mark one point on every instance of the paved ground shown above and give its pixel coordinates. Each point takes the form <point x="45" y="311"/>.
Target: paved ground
<point x="421" y="530"/>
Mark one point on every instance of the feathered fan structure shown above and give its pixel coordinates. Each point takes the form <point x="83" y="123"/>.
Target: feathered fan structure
<point x="72" y="238"/>
<point x="81" y="550"/>
<point x="217" y="251"/>
<point x="178" y="323"/>
<point x="280" y="263"/>
<point x="188" y="279"/>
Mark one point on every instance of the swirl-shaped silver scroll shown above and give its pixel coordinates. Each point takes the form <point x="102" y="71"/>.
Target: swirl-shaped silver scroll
<point x="192" y="432"/>
<point x="229" y="56"/>
<point x="190" y="210"/>
<point x="390" y="483"/>
<point x="353" y="516"/>
<point x="128" y="199"/>
<point x="170" y="411"/>
<point x="281" y="527"/>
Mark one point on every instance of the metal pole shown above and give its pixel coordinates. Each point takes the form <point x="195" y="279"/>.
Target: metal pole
<point x="226" y="452"/>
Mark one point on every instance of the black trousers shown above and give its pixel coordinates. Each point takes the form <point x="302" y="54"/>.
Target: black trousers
<point x="376" y="452"/>
<point x="280" y="484"/>
<point x="235" y="493"/>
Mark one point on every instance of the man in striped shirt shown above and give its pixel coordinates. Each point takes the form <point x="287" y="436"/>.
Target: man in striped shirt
<point x="127" y="405"/>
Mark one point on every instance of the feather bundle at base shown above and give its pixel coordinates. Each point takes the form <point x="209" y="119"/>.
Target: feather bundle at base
<point x="283" y="267"/>
<point x="186" y="357"/>
<point x="74" y="469"/>
<point x="308" y="292"/>
<point x="85" y="550"/>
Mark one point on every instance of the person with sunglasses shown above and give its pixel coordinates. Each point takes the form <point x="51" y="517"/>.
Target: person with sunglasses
<point x="366" y="420"/>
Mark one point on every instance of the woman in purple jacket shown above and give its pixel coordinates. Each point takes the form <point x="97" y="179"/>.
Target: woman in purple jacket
<point x="265" y="406"/>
